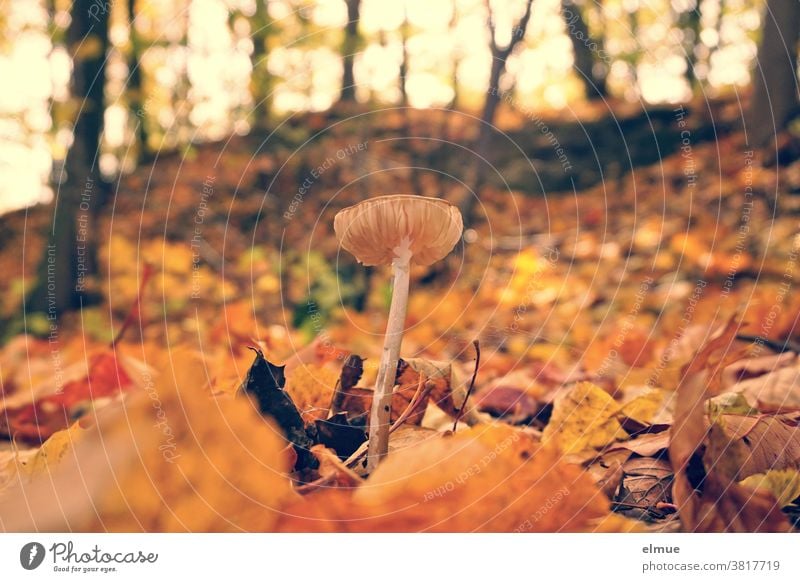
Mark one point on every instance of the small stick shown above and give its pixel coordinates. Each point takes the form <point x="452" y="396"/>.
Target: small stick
<point x="418" y="397"/>
<point x="471" y="384"/>
<point x="135" y="311"/>
<point x="775" y="346"/>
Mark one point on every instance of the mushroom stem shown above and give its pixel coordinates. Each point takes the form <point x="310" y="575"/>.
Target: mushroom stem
<point x="379" y="419"/>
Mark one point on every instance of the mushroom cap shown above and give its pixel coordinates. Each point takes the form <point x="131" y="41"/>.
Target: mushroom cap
<point x="374" y="231"/>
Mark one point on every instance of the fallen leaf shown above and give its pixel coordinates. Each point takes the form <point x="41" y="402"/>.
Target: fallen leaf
<point x="583" y="418"/>
<point x="784" y="485"/>
<point x="341" y="434"/>
<point x="747" y="445"/>
<point x="36" y="422"/>
<point x="646" y="483"/>
<point x="646" y="445"/>
<point x="169" y="460"/>
<point x="265" y="382"/>
<point x="311" y="387"/>
<point x="777" y="391"/>
<point x="486" y="478"/>
<point x="722" y="504"/>
<point x="52" y="451"/>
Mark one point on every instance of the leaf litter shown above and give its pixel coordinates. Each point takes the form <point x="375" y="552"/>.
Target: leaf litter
<point x="611" y="395"/>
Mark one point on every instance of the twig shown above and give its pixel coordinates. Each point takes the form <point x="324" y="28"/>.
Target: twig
<point x="135" y="311"/>
<point x="776" y="346"/>
<point x="471" y="384"/>
<point x="419" y="396"/>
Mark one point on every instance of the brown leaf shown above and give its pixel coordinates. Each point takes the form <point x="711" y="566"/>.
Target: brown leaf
<point x="513" y="404"/>
<point x="753" y="444"/>
<point x="722" y="504"/>
<point x="646" y="485"/>
<point x="776" y="391"/>
<point x="646" y="445"/>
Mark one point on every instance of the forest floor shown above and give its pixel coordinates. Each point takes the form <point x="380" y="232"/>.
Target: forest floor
<point x="617" y="387"/>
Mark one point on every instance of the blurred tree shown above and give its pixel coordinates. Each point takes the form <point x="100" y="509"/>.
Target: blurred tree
<point x="456" y="55"/>
<point x="349" y="48"/>
<point x="137" y="104"/>
<point x="404" y="34"/>
<point x="689" y="25"/>
<point x="69" y="257"/>
<point x="493" y="95"/>
<point x="262" y="25"/>
<point x="775" y="92"/>
<point x="587" y="50"/>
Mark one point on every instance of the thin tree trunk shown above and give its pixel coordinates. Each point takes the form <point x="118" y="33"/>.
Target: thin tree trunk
<point x="775" y="92"/>
<point x="404" y="58"/>
<point x="138" y="107"/>
<point x="349" y="47"/>
<point x="262" y="86"/>
<point x="70" y="255"/>
<point x="456" y="57"/>
<point x="493" y="95"/>
<point x="586" y="51"/>
<point x="689" y="24"/>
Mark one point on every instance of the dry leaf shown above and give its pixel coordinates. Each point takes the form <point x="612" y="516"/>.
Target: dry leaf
<point x="747" y="445"/>
<point x="173" y="459"/>
<point x="487" y="478"/>
<point x="784" y="485"/>
<point x="52" y="451"/>
<point x="583" y="418"/>
<point x="722" y="505"/>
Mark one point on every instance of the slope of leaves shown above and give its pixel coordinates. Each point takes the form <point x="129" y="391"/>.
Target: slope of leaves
<point x="615" y="389"/>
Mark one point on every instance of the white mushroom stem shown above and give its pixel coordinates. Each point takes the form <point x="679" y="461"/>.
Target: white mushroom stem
<point x="379" y="419"/>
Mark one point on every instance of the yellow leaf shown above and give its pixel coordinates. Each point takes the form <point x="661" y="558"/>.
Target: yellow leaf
<point x="583" y="418"/>
<point x="645" y="407"/>
<point x="783" y="484"/>
<point x="486" y="478"/>
<point x="53" y="450"/>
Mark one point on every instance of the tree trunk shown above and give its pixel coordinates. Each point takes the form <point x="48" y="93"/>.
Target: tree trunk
<point x="262" y="86"/>
<point x="689" y="24"/>
<point x="138" y="107"/>
<point x="349" y="48"/>
<point x="404" y="59"/>
<point x="70" y="255"/>
<point x="456" y="57"/>
<point x="587" y="51"/>
<point x="493" y="95"/>
<point x="775" y="92"/>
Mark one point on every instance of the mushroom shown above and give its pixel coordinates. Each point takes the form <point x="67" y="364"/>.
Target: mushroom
<point x="396" y="230"/>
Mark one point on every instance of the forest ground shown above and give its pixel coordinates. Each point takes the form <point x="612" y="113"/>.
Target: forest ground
<point x="611" y="286"/>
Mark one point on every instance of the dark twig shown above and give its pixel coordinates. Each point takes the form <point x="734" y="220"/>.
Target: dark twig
<point x="471" y="384"/>
<point x="779" y="347"/>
